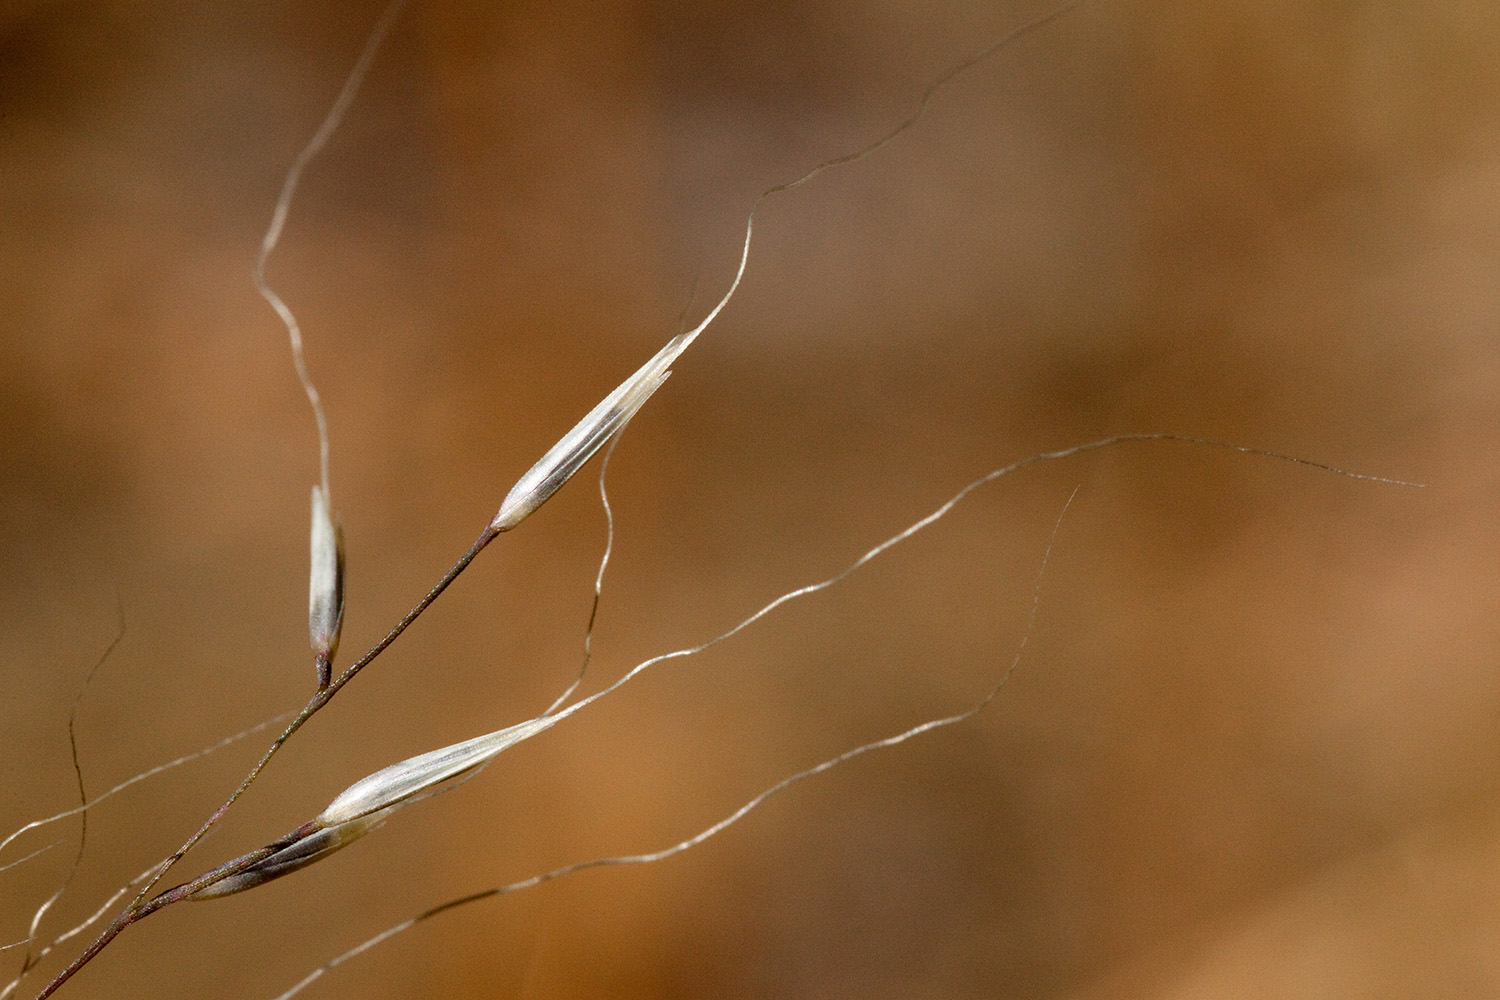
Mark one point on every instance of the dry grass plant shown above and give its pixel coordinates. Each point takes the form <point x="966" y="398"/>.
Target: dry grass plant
<point x="369" y="803"/>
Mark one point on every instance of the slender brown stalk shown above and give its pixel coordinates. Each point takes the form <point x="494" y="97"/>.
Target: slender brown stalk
<point x="140" y="906"/>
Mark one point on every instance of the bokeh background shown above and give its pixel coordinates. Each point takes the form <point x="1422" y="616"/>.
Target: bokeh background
<point x="1251" y="748"/>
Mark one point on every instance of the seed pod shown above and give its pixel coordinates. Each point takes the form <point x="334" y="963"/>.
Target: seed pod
<point x="410" y="778"/>
<point x="325" y="588"/>
<point x="366" y="804"/>
<point x="579" y="444"/>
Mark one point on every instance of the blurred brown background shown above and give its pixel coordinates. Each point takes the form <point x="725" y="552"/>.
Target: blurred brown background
<point x="1251" y="749"/>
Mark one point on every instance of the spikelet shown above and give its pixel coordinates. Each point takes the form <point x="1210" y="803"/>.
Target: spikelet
<point x="365" y="805"/>
<point x="579" y="444"/>
<point x="400" y="782"/>
<point x="325" y="587"/>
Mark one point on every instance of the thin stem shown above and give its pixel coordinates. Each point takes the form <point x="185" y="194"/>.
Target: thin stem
<point x="138" y="906"/>
<point x="32" y="957"/>
<point x="148" y="773"/>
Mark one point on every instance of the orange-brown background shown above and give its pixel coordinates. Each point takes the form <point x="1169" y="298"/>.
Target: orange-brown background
<point x="1252" y="748"/>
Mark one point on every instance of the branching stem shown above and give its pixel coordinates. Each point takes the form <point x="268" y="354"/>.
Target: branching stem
<point x="140" y="907"/>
